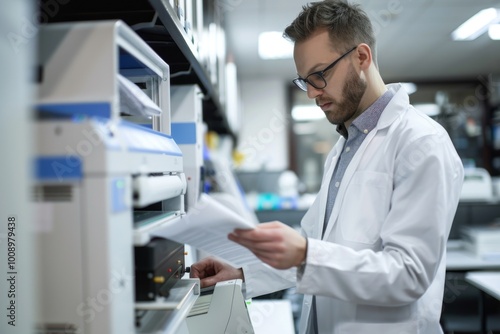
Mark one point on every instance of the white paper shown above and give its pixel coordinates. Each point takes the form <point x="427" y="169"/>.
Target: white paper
<point x="134" y="101"/>
<point x="206" y="227"/>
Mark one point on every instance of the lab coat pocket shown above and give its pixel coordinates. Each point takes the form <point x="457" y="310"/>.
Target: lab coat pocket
<point x="365" y="206"/>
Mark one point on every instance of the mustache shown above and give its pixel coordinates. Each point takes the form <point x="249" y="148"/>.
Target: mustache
<point x="320" y="102"/>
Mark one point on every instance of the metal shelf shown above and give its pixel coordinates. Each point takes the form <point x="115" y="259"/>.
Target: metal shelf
<point x="143" y="229"/>
<point x="213" y="111"/>
<point x="178" y="51"/>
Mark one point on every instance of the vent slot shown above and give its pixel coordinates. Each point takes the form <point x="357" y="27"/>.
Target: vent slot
<point x="61" y="328"/>
<point x="53" y="193"/>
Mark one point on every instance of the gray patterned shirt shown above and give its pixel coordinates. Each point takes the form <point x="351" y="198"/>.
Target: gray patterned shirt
<point x="354" y="135"/>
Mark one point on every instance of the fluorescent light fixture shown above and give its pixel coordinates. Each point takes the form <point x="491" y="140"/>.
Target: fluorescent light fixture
<point x="306" y="128"/>
<point x="494" y="31"/>
<point x="476" y="25"/>
<point x="272" y="45"/>
<point x="430" y="109"/>
<point x="307" y="113"/>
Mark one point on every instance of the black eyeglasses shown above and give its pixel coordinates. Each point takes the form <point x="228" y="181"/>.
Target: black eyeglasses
<point x="316" y="79"/>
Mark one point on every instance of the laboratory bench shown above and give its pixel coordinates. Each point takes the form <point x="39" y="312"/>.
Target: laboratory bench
<point x="466" y="309"/>
<point x="472" y="303"/>
<point x="489" y="284"/>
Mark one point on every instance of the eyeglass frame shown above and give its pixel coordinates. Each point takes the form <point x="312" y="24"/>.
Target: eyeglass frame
<point x="319" y="73"/>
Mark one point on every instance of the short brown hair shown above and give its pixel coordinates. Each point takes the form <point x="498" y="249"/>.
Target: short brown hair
<point x="348" y="25"/>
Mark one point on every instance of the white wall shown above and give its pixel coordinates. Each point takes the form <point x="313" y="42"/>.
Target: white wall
<point x="263" y="138"/>
<point x="17" y="49"/>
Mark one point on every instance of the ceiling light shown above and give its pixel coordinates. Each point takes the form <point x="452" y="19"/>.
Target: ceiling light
<point x="307" y="113"/>
<point x="494" y="31"/>
<point x="476" y="25"/>
<point x="306" y="128"/>
<point x="272" y="45"/>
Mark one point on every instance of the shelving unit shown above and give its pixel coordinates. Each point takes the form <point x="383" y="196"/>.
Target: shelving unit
<point x="95" y="170"/>
<point x="493" y="123"/>
<point x="154" y="50"/>
<point x="158" y="24"/>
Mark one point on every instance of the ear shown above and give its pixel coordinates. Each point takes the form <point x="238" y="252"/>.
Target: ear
<point x="364" y="56"/>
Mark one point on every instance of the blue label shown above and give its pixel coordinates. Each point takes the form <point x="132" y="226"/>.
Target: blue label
<point x="184" y="133"/>
<point x="58" y="168"/>
<point x="99" y="109"/>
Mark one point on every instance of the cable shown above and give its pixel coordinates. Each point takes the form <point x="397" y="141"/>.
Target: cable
<point x="180" y="73"/>
<point x="145" y="25"/>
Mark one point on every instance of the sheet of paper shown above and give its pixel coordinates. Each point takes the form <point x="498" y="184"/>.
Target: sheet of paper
<point x="206" y="227"/>
<point x="133" y="101"/>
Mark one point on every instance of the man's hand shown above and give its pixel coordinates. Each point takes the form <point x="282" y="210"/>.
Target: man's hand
<point x="275" y="243"/>
<point x="210" y="271"/>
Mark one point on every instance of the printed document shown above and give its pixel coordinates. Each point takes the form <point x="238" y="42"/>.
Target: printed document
<point x="206" y="227"/>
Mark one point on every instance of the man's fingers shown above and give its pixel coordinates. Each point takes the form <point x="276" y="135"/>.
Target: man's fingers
<point x="208" y="281"/>
<point x="256" y="235"/>
<point x="261" y="228"/>
<point x="268" y="246"/>
<point x="194" y="273"/>
<point x="270" y="225"/>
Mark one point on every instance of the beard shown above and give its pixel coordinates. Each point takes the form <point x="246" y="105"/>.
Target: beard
<point x="352" y="93"/>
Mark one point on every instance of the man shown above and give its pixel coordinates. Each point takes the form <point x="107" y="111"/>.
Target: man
<point x="371" y="258"/>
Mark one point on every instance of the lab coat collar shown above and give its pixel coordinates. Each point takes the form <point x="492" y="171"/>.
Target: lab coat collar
<point x="398" y="104"/>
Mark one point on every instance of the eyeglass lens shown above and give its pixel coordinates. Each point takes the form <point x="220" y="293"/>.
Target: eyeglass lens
<point x="314" y="79"/>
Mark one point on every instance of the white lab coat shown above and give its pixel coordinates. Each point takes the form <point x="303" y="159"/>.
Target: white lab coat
<point x="380" y="267"/>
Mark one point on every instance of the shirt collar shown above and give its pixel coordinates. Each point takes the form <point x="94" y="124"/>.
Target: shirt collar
<point x="367" y="121"/>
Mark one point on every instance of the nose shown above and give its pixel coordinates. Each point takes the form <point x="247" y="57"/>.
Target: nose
<point x="312" y="92"/>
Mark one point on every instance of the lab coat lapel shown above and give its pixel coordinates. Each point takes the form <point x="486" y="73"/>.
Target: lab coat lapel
<point x="392" y="111"/>
<point x="332" y="162"/>
<point x="349" y="173"/>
